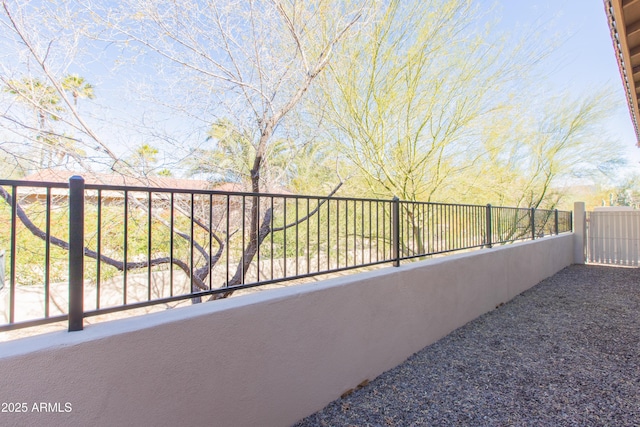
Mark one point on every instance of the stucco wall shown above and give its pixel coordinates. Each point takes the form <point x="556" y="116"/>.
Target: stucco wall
<point x="266" y="359"/>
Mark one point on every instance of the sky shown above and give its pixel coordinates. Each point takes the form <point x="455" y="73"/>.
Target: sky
<point x="584" y="60"/>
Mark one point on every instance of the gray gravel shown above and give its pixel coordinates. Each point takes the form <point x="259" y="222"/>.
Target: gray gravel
<point x="564" y="353"/>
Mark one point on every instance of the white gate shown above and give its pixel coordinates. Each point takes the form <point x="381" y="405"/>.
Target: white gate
<point x="613" y="236"/>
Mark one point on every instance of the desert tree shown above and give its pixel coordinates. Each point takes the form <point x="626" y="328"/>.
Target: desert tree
<point x="533" y="159"/>
<point x="78" y="87"/>
<point x="419" y="86"/>
<point x="433" y="106"/>
<point x="247" y="63"/>
<point x="253" y="60"/>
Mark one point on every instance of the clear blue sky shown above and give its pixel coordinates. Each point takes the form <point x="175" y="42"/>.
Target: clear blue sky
<point x="584" y="60"/>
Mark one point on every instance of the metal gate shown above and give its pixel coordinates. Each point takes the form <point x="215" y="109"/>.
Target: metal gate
<point x="613" y="236"/>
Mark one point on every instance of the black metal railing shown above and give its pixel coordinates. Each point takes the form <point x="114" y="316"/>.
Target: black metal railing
<point x="77" y="250"/>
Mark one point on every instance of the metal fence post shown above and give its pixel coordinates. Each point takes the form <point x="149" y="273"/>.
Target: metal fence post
<point x="557" y="223"/>
<point x="489" y="227"/>
<point x="533" y="223"/>
<point x="579" y="229"/>
<point x="571" y="221"/>
<point x="396" y="232"/>
<point x="1" y="269"/>
<point x="76" y="253"/>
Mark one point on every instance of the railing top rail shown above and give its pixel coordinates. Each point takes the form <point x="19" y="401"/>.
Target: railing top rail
<point x="443" y="204"/>
<point x="40" y="184"/>
<point x="142" y="189"/>
<point x="512" y="207"/>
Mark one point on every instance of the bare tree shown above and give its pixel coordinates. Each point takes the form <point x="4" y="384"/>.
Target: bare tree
<point x="256" y="59"/>
<point x="248" y="62"/>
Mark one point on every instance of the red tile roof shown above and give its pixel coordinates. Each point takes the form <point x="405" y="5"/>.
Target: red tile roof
<point x="52" y="175"/>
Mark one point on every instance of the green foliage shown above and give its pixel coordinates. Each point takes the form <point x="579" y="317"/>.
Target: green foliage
<point x="30" y="250"/>
<point x="54" y="140"/>
<point x="78" y="87"/>
<point x="426" y="111"/>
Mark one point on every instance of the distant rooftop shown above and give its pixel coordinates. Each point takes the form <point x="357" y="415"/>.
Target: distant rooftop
<point x="52" y="175"/>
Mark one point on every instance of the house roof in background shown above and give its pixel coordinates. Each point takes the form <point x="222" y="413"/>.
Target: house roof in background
<point x="624" y="22"/>
<point x="52" y="175"/>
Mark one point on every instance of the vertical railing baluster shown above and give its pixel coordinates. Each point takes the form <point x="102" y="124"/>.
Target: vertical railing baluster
<point x="555" y="217"/>
<point x="244" y="210"/>
<point x="318" y="246"/>
<point x="273" y="214"/>
<point x="469" y="227"/>
<point x="191" y="243"/>
<point x="424" y="230"/>
<point x="402" y="222"/>
<point x="355" y="232"/>
<point x="533" y="223"/>
<point x="378" y="231"/>
<point x="76" y="253"/>
<point x="257" y="199"/>
<point x="284" y="232"/>
<point x="47" y="252"/>
<point x="125" y="247"/>
<point x="98" y="246"/>
<point x="308" y="222"/>
<point x="489" y="236"/>
<point x="226" y="241"/>
<point x="384" y="231"/>
<point x="571" y="220"/>
<point x="210" y="241"/>
<point x="362" y="232"/>
<point x="346" y="233"/>
<point x="328" y="234"/>
<point x="456" y="227"/>
<point x="171" y="241"/>
<point x="149" y="243"/>
<point x="338" y="233"/>
<point x="297" y="216"/>
<point x="413" y="228"/>
<point x="432" y="229"/>
<point x="396" y="232"/>
<point x="14" y="247"/>
<point x="447" y="222"/>
<point x="370" y="232"/>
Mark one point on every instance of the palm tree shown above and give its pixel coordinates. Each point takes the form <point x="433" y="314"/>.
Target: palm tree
<point x="78" y="87"/>
<point x="44" y="100"/>
<point x="144" y="158"/>
<point x="231" y="158"/>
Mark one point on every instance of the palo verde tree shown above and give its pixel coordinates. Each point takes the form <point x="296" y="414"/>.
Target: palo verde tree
<point x="527" y="159"/>
<point x="433" y="102"/>
<point x="433" y="106"/>
<point x="406" y="107"/>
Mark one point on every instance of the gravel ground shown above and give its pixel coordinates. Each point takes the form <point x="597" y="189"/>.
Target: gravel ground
<point x="564" y="353"/>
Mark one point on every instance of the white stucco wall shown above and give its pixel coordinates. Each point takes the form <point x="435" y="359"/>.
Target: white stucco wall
<point x="266" y="359"/>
